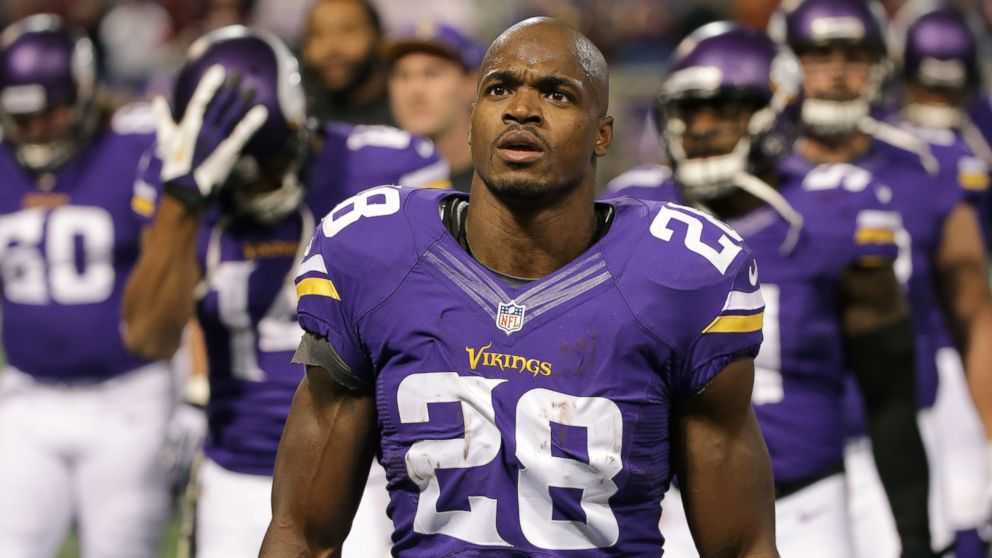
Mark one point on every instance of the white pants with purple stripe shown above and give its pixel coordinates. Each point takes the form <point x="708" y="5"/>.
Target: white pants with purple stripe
<point x="85" y="453"/>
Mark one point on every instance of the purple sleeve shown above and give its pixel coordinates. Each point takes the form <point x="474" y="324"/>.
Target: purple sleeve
<point x="734" y="332"/>
<point x="323" y="311"/>
<point x="147" y="188"/>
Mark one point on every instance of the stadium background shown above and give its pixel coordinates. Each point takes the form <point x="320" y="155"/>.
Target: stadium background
<point x="142" y="42"/>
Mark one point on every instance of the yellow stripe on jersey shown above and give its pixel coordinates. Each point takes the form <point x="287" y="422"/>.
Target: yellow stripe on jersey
<point x="736" y="324"/>
<point x="439" y="185"/>
<point x="875" y="236"/>
<point x="142" y="206"/>
<point x="317" y="286"/>
<point x="973" y="180"/>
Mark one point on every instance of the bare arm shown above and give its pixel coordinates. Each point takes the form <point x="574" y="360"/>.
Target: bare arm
<point x="962" y="276"/>
<point x="725" y="470"/>
<point x="159" y="296"/>
<point x="879" y="341"/>
<point x="321" y="468"/>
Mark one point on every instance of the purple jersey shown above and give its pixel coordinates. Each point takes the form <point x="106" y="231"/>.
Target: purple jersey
<point x="800" y="372"/>
<point x="248" y="304"/>
<point x="924" y="203"/>
<point x="535" y="417"/>
<point x="67" y="244"/>
<point x="959" y="165"/>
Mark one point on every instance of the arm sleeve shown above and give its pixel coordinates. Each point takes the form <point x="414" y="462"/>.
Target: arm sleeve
<point x="734" y="332"/>
<point x="325" y="307"/>
<point x="147" y="188"/>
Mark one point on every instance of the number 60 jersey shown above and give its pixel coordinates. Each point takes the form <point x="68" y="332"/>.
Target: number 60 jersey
<point x="534" y="417"/>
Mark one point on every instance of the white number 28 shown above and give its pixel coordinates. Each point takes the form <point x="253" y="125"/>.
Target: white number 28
<point x="693" y="240"/>
<point x="535" y="412"/>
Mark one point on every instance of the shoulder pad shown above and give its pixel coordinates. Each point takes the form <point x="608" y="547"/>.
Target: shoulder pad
<point x="681" y="268"/>
<point x="134" y="118"/>
<point x="645" y="176"/>
<point x="366" y="245"/>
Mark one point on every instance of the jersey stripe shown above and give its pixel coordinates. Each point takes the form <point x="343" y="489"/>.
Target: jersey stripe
<point x="317" y="286"/>
<point x="736" y="324"/>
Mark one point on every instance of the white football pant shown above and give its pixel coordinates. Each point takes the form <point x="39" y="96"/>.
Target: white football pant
<point x="234" y="510"/>
<point x="90" y="453"/>
<point x="810" y="523"/>
<point x="872" y="523"/>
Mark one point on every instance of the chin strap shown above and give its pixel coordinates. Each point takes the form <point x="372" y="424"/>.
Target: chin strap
<point x="831" y="118"/>
<point x="761" y="190"/>
<point x="933" y="116"/>
<point x="710" y="177"/>
<point x="901" y="139"/>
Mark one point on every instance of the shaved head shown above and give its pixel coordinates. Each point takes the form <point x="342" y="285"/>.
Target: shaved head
<point x="569" y="41"/>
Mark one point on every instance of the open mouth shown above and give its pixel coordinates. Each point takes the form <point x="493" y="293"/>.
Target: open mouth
<point x="519" y="147"/>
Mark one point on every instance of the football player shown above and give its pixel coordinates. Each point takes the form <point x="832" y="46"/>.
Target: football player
<point x="841" y="48"/>
<point x="825" y="243"/>
<point x="82" y="422"/>
<point x="529" y="366"/>
<point x="245" y="177"/>
<point x="939" y="67"/>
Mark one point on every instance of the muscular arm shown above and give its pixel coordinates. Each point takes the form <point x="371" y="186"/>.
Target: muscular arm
<point x="879" y="343"/>
<point x="725" y="470"/>
<point x="158" y="298"/>
<point x="962" y="277"/>
<point x="321" y="468"/>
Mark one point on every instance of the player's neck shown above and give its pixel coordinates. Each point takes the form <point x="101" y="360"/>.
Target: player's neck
<point x="529" y="242"/>
<point x="834" y="149"/>
<point x="454" y="147"/>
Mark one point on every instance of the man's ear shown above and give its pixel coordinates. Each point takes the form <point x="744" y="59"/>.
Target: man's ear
<point x="604" y="137"/>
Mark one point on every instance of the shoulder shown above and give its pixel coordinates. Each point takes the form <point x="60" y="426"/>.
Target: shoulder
<point x="388" y="152"/>
<point x="641" y="181"/>
<point x="675" y="265"/>
<point x="368" y="242"/>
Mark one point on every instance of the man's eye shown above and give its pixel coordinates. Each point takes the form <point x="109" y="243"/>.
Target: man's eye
<point x="558" y="97"/>
<point x="497" y="90"/>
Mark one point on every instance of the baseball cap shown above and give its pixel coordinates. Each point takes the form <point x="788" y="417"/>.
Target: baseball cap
<point x="436" y="38"/>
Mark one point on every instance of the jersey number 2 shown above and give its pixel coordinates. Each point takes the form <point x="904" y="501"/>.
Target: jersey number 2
<point x="536" y="411"/>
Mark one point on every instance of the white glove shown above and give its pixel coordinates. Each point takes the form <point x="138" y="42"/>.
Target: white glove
<point x="199" y="152"/>
<point x="185" y="434"/>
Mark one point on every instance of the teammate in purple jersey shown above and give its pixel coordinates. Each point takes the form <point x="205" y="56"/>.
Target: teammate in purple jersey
<point x="825" y="242"/>
<point x="530" y="367"/>
<point x="235" y="262"/>
<point x="83" y="423"/>
<point x="841" y="48"/>
<point x="938" y="62"/>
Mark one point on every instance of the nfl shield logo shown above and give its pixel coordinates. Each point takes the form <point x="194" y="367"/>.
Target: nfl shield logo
<point x="510" y="317"/>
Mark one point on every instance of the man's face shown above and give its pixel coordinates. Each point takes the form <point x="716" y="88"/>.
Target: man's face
<point x="341" y="44"/>
<point x="429" y="94"/>
<point x="712" y="127"/>
<point x="836" y="73"/>
<point x="536" y="124"/>
<point x="40" y="128"/>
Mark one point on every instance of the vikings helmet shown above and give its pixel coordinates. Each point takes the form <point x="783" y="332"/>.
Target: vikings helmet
<point x="810" y="24"/>
<point x="939" y="50"/>
<point x="718" y="62"/>
<point x="724" y="61"/>
<point x="269" y="71"/>
<point x="44" y="64"/>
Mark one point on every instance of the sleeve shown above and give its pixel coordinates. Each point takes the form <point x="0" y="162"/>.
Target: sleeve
<point x="147" y="188"/>
<point x="877" y="226"/>
<point x="734" y="332"/>
<point x="324" y="314"/>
